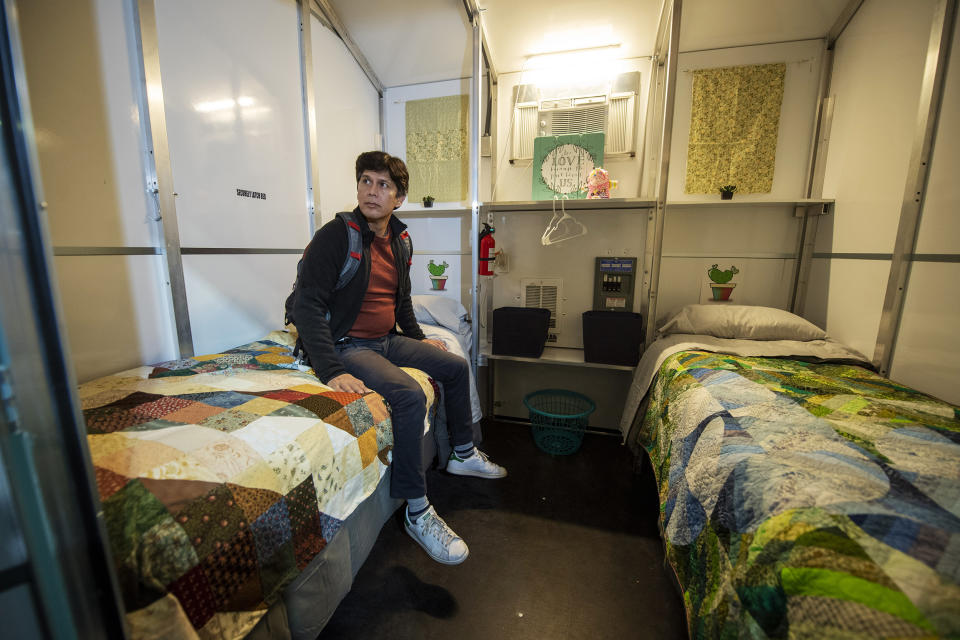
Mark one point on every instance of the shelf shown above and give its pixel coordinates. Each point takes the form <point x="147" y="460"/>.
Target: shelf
<point x="740" y="203"/>
<point x="556" y="355"/>
<point x="600" y="204"/>
<point x="433" y="212"/>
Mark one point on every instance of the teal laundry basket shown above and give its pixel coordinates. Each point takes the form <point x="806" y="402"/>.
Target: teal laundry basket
<point x="558" y="419"/>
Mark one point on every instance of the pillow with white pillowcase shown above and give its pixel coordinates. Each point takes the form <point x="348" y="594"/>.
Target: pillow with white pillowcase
<point x="744" y="322"/>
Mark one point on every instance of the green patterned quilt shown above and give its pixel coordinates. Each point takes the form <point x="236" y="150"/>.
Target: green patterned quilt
<point x="806" y="500"/>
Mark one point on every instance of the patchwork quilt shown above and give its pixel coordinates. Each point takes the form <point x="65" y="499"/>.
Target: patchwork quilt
<point x="806" y="500"/>
<point x="223" y="476"/>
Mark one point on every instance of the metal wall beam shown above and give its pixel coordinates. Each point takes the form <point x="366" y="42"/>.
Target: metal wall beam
<point x="326" y="12"/>
<point x="309" y="115"/>
<point x="475" y="87"/>
<point x="813" y="182"/>
<point x="931" y="92"/>
<point x="159" y="171"/>
<point x="668" y="41"/>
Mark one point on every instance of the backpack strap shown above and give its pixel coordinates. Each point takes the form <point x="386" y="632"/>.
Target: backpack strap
<point x="407" y="245"/>
<point x="354" y="249"/>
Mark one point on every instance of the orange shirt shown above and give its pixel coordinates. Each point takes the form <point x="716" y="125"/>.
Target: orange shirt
<point x="378" y="312"/>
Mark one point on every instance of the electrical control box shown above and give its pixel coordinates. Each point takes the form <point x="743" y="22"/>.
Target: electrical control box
<point x="614" y="284"/>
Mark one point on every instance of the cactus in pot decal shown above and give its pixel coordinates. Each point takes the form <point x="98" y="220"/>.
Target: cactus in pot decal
<point x="437" y="278"/>
<point x="720" y="283"/>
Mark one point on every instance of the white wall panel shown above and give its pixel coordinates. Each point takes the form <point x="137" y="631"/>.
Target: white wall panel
<point x="818" y="292"/>
<point x="852" y="302"/>
<point x="80" y="73"/>
<point x="232" y="95"/>
<point x="116" y="311"/>
<point x="757" y="229"/>
<point x="236" y="299"/>
<point x="796" y="113"/>
<point x="940" y="224"/>
<point x="763" y="282"/>
<point x="441" y="239"/>
<point x="878" y="66"/>
<point x="395" y="117"/>
<point x="927" y="355"/>
<point x="609" y="233"/>
<point x="348" y="119"/>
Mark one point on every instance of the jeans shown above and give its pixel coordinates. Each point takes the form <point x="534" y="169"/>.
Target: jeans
<point x="377" y="362"/>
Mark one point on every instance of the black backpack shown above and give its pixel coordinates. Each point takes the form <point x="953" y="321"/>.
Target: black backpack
<point x="349" y="269"/>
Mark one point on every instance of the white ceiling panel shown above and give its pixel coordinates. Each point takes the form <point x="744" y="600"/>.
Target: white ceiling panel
<point x="412" y="41"/>
<point x="418" y="41"/>
<point x="518" y="29"/>
<point x="709" y="24"/>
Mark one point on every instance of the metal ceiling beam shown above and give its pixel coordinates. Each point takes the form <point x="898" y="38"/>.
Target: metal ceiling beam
<point x="842" y="21"/>
<point x="473" y="9"/>
<point x="326" y="12"/>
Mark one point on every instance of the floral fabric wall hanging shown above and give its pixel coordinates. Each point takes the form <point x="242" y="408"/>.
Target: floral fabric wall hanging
<point x="735" y="119"/>
<point x="437" y="148"/>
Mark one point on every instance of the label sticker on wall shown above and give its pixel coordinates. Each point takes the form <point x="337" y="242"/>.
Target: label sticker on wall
<point x="257" y="195"/>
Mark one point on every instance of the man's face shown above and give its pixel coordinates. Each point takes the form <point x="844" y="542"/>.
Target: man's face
<point x="377" y="195"/>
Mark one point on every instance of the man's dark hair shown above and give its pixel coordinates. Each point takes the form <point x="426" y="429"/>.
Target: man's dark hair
<point x="382" y="161"/>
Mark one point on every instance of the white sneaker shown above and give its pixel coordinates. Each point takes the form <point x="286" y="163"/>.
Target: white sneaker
<point x="478" y="465"/>
<point x="436" y="537"/>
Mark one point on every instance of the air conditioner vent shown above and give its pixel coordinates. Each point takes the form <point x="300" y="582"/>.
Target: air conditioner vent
<point x="559" y="122"/>
<point x="614" y="114"/>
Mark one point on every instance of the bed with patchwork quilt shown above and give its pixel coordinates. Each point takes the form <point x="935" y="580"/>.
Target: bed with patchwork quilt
<point x="801" y="497"/>
<point x="224" y="477"/>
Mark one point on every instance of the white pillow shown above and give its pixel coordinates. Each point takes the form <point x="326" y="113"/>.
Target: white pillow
<point x="742" y="322"/>
<point x="440" y="311"/>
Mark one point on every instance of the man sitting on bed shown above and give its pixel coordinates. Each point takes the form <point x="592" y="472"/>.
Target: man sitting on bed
<point x="351" y="340"/>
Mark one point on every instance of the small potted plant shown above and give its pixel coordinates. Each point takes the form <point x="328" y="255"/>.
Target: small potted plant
<point x="437" y="278"/>
<point x="726" y="191"/>
<point x="428" y="201"/>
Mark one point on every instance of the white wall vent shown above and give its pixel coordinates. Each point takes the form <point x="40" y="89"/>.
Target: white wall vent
<point x="544" y="293"/>
<point x="524" y="131"/>
<point x="619" y="138"/>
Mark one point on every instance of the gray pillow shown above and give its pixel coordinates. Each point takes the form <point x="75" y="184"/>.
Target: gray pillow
<point x="743" y="322"/>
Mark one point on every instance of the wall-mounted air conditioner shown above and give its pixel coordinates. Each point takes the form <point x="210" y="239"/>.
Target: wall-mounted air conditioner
<point x="544" y="293"/>
<point x="613" y="113"/>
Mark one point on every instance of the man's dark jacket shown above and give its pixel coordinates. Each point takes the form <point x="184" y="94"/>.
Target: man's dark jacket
<point x="315" y="295"/>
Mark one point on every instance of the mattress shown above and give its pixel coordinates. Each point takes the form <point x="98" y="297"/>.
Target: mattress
<point x="805" y="499"/>
<point x="223" y="476"/>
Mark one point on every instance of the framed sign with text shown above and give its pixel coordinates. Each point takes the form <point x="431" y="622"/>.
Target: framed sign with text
<point x="561" y="164"/>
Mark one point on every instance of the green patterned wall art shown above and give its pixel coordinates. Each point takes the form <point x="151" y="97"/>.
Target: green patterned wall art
<point x="561" y="164"/>
<point x="735" y="120"/>
<point x="438" y="148"/>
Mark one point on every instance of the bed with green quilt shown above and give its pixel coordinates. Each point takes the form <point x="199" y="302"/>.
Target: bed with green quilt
<point x="802" y="495"/>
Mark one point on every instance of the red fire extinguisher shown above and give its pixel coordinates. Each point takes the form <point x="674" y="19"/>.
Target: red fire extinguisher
<point x="487" y="246"/>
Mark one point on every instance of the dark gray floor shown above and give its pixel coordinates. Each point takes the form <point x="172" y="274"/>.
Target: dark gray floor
<point x="564" y="547"/>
